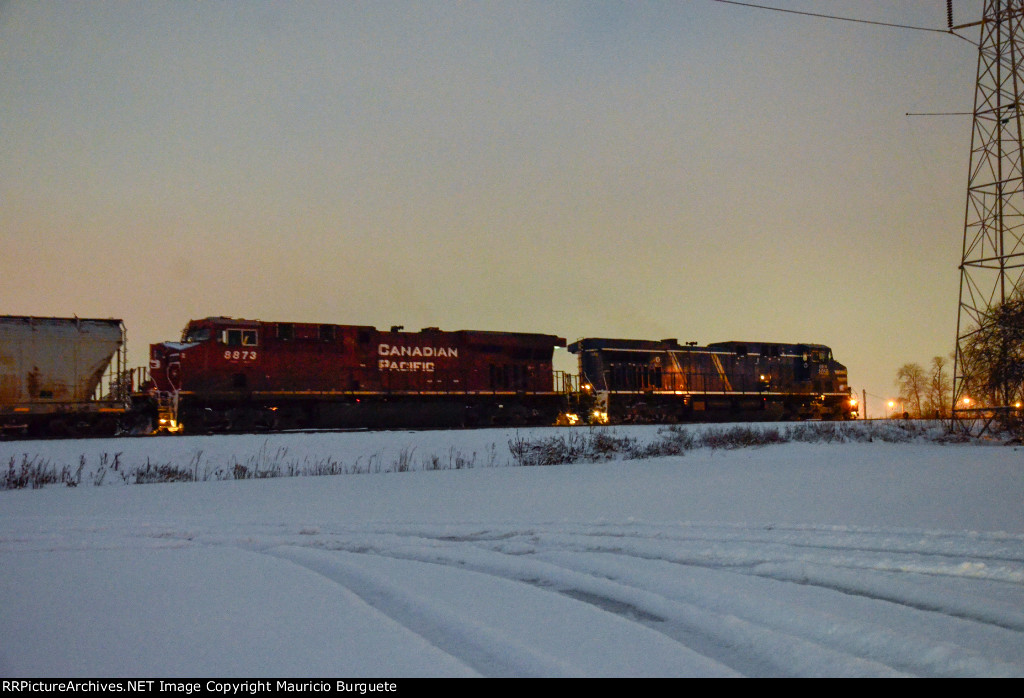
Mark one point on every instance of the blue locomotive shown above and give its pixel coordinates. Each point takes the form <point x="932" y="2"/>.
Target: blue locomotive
<point x="663" y="381"/>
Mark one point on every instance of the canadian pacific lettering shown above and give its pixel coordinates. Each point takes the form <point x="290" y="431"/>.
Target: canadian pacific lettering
<point x="427" y="352"/>
<point x="389" y="350"/>
<point x="386" y="365"/>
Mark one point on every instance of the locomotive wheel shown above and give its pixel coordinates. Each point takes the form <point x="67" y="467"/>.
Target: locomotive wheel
<point x="267" y="420"/>
<point x="104" y="426"/>
<point x="61" y="429"/>
<point x="291" y="418"/>
<point x="472" y="417"/>
<point x="241" y="419"/>
<point x="517" y="416"/>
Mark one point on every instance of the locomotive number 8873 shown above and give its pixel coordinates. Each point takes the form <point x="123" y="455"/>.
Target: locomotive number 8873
<point x="233" y="374"/>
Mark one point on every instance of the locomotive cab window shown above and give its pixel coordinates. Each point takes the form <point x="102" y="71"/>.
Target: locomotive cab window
<point x="239" y="338"/>
<point x="198" y="334"/>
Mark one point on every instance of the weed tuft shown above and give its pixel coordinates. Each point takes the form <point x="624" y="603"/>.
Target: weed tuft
<point x="565" y="446"/>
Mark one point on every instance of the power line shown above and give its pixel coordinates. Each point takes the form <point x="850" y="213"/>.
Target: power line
<point x="842" y="19"/>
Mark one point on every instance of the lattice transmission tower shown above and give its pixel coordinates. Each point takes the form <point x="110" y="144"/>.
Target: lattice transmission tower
<point x="992" y="264"/>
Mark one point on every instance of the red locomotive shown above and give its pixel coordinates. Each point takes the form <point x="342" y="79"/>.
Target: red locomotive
<point x="231" y="374"/>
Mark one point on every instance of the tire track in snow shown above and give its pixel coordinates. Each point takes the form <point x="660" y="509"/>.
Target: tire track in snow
<point x="489" y="650"/>
<point x="754" y="636"/>
<point x="893" y="581"/>
<point x="748" y="551"/>
<point x="999" y="547"/>
<point x="839" y="571"/>
<point x="751" y="649"/>
<point x="904" y="594"/>
<point x="479" y="647"/>
<point x="751" y="598"/>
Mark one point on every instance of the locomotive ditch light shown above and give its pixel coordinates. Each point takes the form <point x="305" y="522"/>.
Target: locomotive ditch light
<point x="171" y="426"/>
<point x="569" y="419"/>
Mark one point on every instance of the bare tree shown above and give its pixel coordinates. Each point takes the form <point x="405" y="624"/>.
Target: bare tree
<point x="992" y="358"/>
<point x="912" y="383"/>
<point x="940" y="389"/>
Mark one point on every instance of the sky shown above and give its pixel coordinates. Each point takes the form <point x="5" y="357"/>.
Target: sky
<point x="687" y="169"/>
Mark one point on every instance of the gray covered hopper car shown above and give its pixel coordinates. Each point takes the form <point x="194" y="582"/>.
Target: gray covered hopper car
<point x="58" y="375"/>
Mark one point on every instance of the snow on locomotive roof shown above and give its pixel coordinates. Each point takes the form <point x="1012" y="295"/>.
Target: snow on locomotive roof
<point x="224" y="320"/>
<point x="773" y="348"/>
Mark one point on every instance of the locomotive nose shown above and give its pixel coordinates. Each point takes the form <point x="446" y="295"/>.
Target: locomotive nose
<point x="156" y="361"/>
<point x="164" y="369"/>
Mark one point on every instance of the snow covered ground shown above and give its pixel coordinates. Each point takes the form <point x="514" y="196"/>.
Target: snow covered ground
<point x="840" y="559"/>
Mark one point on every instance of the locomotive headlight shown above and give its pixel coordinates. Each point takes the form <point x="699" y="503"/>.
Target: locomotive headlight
<point x="171" y="425"/>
